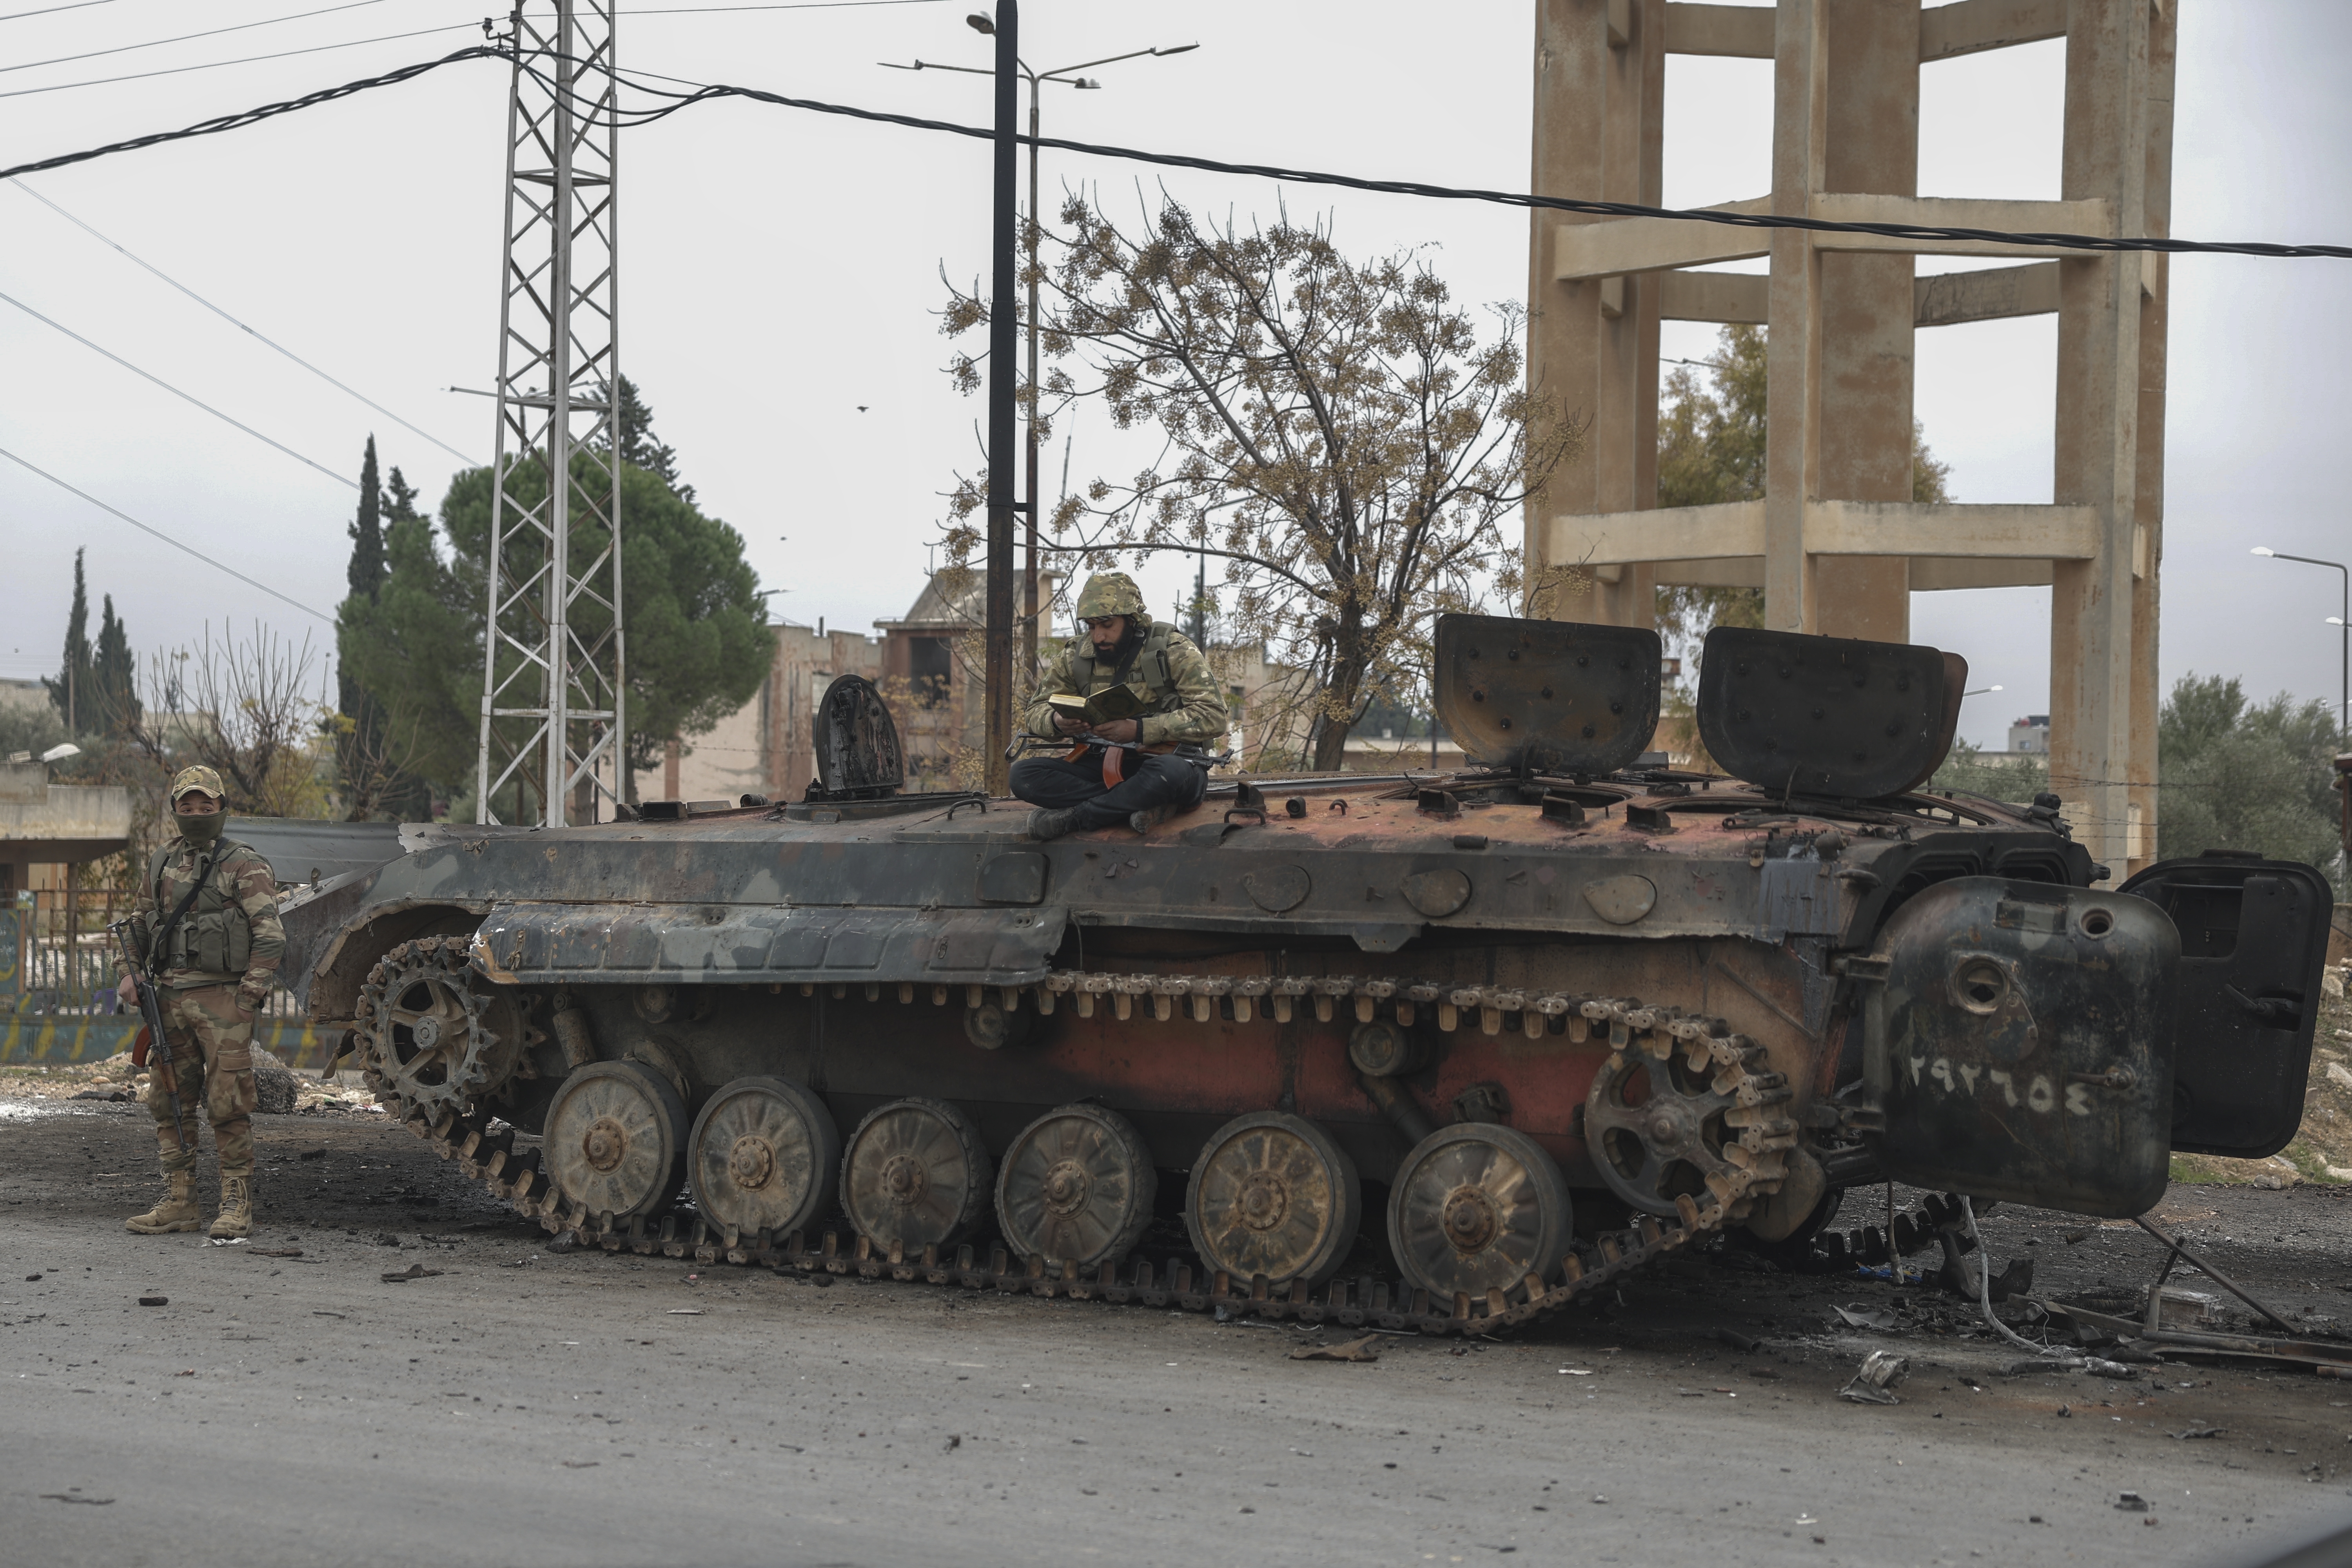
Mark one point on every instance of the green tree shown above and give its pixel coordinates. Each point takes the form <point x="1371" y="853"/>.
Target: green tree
<point x="698" y="645"/>
<point x="369" y="761"/>
<point x="2017" y="782"/>
<point x="2236" y="774"/>
<point x="1711" y="450"/>
<point x="642" y="448"/>
<point x="114" y="678"/>
<point x="70" y="690"/>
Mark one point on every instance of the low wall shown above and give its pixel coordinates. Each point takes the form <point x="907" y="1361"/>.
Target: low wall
<point x="29" y="1038"/>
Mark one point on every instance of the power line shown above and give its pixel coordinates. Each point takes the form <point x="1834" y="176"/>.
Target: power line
<point x="339" y="479"/>
<point x="1914" y="232"/>
<point x="1448" y="192"/>
<point x="221" y="122"/>
<point x="225" y="316"/>
<point x="246" y="61"/>
<point x="162" y="535"/>
<point x="183" y="38"/>
<point x="77" y="5"/>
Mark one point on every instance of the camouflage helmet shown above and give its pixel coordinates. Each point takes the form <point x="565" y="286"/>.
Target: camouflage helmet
<point x="188" y="780"/>
<point x="1111" y="593"/>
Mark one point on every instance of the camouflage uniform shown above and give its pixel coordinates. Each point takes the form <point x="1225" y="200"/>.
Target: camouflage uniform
<point x="221" y="964"/>
<point x="1182" y="706"/>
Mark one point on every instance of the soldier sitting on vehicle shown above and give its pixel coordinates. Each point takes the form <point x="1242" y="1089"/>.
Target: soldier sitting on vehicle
<point x="216" y="903"/>
<point x="1156" y="763"/>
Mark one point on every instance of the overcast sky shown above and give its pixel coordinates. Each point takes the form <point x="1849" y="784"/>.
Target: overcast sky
<point x="781" y="269"/>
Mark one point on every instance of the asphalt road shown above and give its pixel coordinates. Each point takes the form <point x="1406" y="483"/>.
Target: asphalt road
<point x="521" y="1408"/>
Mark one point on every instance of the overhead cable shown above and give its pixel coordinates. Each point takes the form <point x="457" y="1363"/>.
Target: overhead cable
<point x="166" y="538"/>
<point x="1912" y="232"/>
<point x="45" y="10"/>
<point x="238" y="122"/>
<point x="339" y="479"/>
<point x="241" y="326"/>
<point x="242" y="60"/>
<point x="183" y="38"/>
<point x="1915" y="232"/>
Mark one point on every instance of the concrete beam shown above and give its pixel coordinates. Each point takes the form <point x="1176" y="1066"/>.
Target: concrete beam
<point x="1949" y="299"/>
<point x="1617" y="246"/>
<point x="1744" y="32"/>
<point x="1973" y="26"/>
<point x="1939" y="300"/>
<point x="1946" y="32"/>
<point x="2094" y="217"/>
<point x="1740" y="298"/>
<point x="1735" y="530"/>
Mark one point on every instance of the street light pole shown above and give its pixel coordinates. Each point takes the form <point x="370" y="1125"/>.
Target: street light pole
<point x="982" y="22"/>
<point x="2344" y="636"/>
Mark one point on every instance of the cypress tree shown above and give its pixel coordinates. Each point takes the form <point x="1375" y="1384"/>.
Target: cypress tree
<point x="70" y="691"/>
<point x="114" y="677"/>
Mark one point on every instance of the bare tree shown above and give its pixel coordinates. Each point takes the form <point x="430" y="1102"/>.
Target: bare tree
<point x="1338" y="433"/>
<point x="255" y="710"/>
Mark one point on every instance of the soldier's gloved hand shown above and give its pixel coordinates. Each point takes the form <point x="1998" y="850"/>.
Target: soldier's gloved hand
<point x="250" y="1000"/>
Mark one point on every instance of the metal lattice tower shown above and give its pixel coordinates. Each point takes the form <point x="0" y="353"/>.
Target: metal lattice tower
<point x="554" y="704"/>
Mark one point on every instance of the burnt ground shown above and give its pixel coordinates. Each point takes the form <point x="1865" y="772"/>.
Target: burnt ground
<point x="523" y="1408"/>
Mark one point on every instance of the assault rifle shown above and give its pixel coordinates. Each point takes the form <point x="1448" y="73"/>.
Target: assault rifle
<point x="160" y="1044"/>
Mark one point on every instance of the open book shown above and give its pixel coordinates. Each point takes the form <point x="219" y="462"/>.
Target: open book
<point x="1107" y="706"/>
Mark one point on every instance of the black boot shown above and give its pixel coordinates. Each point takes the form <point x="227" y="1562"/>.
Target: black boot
<point x="1052" y="822"/>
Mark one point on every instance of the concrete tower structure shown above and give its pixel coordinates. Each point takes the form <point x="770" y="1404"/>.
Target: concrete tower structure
<point x="1837" y="545"/>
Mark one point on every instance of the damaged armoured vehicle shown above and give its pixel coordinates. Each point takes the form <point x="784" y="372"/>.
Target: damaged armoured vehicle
<point x="1427" y="1051"/>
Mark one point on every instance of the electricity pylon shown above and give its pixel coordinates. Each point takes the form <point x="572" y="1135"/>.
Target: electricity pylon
<point x="553" y="680"/>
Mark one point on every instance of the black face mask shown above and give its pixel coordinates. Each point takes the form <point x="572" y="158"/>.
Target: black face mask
<point x="201" y="831"/>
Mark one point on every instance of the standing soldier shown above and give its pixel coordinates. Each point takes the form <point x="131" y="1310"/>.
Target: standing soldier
<point x="216" y="903"/>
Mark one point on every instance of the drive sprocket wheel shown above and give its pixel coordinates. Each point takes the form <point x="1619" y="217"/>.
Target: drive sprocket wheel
<point x="435" y="1035"/>
<point x="1693" y="1116"/>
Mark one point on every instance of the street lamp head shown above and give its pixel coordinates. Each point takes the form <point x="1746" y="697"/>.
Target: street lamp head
<point x="2265" y="550"/>
<point x="982" y="22"/>
<point x="1179" y="49"/>
<point x="1086" y="83"/>
<point x="2336" y="620"/>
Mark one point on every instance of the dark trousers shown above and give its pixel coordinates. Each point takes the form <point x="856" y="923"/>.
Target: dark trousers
<point x="1151" y="780"/>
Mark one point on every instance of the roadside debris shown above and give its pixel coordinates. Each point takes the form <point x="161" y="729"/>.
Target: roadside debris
<point x="2202" y="1432"/>
<point x="2131" y="1502"/>
<point x="1365" y="1349"/>
<point x="1861" y="1317"/>
<point x="413" y="1271"/>
<point x="1881" y="1371"/>
<point x="154" y="1301"/>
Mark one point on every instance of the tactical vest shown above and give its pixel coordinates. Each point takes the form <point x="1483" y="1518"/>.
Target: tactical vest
<point x="214" y="937"/>
<point x="1152" y="652"/>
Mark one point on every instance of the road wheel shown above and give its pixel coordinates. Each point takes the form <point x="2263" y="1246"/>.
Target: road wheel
<point x="762" y="1157"/>
<point x="1077" y="1185"/>
<point x="615" y="1141"/>
<point x="1271" y="1193"/>
<point x="1477" y="1207"/>
<point x="915" y="1174"/>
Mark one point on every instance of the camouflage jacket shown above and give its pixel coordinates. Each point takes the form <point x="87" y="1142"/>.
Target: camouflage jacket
<point x="230" y="935"/>
<point x="1181" y="703"/>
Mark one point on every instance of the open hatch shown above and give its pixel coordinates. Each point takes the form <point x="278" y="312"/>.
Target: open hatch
<point x="1839" y="718"/>
<point x="1547" y="697"/>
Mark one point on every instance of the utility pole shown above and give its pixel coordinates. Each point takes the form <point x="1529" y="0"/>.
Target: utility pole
<point x="553" y="654"/>
<point x="1009" y="63"/>
<point x="1002" y="326"/>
